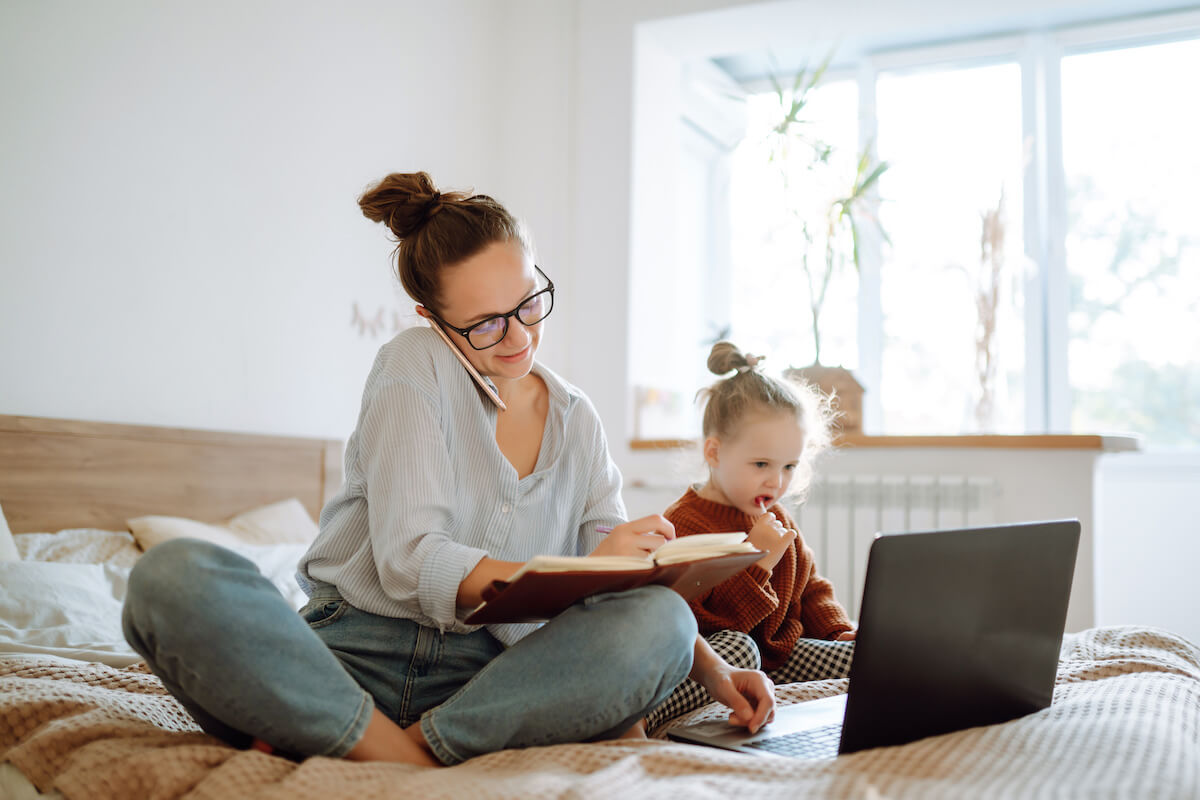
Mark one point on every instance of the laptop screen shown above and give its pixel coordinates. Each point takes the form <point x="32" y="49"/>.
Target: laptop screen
<point x="958" y="629"/>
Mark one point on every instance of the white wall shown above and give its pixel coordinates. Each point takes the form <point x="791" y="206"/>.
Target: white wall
<point x="179" y="238"/>
<point x="1148" y="542"/>
<point x="603" y="210"/>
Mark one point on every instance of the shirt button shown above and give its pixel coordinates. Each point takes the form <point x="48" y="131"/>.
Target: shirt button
<point x="505" y="508"/>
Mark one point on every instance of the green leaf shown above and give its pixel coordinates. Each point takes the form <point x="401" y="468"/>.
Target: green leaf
<point x="775" y="85"/>
<point x="880" y="168"/>
<point x="854" y="241"/>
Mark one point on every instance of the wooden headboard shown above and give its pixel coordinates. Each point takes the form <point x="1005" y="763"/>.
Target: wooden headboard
<point x="57" y="474"/>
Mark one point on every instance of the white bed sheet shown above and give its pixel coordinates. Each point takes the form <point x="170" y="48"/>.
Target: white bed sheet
<point x="68" y="610"/>
<point x="73" y="610"/>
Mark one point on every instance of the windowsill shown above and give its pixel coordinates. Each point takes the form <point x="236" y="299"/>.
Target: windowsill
<point x="1108" y="443"/>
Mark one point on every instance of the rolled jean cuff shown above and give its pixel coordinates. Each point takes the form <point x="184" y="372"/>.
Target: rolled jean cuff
<point x="440" y="751"/>
<point x="355" y="730"/>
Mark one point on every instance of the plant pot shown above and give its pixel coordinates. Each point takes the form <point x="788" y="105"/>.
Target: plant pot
<point x="839" y="385"/>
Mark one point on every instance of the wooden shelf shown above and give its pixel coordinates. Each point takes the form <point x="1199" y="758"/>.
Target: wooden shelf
<point x="1109" y="443"/>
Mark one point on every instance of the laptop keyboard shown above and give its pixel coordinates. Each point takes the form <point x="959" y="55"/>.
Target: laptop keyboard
<point x="815" y="743"/>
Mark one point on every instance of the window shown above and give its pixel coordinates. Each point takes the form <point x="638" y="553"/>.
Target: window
<point x="777" y="209"/>
<point x="951" y="281"/>
<point x="1133" y="241"/>
<point x="1042" y="264"/>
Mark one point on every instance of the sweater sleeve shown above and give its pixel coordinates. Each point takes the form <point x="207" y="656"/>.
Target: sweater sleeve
<point x="739" y="603"/>
<point x="822" y="616"/>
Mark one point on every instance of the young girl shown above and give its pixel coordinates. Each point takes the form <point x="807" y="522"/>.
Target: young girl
<point x="759" y="432"/>
<point x="444" y="492"/>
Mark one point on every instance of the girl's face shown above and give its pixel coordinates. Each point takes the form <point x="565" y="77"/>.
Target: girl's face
<point x="494" y="281"/>
<point x="756" y="465"/>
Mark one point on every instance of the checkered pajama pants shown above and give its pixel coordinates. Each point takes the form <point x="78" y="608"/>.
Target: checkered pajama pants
<point x="811" y="660"/>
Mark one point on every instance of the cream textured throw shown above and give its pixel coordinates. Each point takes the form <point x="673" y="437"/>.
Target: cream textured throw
<point x="1125" y="722"/>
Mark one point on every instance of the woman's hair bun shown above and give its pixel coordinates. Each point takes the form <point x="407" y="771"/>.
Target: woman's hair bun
<point x="404" y="201"/>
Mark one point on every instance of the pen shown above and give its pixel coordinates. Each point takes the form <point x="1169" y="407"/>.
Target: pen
<point x="604" y="529"/>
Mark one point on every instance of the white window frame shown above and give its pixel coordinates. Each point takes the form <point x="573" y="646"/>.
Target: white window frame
<point x="1039" y="56"/>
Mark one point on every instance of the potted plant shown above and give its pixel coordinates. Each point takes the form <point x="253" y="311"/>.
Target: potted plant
<point x="832" y="235"/>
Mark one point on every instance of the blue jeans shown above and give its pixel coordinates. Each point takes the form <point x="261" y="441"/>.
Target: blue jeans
<point x="245" y="665"/>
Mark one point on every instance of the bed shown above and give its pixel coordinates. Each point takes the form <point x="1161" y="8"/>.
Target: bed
<point x="81" y="718"/>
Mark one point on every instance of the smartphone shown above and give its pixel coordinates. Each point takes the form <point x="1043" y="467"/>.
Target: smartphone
<point x="488" y="390"/>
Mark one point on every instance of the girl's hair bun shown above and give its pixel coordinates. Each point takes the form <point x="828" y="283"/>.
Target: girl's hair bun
<point x="726" y="357"/>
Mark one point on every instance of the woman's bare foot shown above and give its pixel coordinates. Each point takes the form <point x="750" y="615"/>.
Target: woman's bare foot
<point x="638" y="731"/>
<point x="384" y="740"/>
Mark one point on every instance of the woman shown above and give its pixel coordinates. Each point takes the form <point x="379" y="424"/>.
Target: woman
<point x="444" y="493"/>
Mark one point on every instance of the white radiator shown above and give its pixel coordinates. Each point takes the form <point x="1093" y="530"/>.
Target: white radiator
<point x="842" y="514"/>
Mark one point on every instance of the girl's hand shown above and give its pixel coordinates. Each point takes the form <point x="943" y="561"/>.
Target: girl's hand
<point x="769" y="535"/>
<point x="847" y="636"/>
<point x="641" y="537"/>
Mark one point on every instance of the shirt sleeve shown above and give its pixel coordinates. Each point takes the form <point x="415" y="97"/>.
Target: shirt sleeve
<point x="603" y="504"/>
<point x="410" y="496"/>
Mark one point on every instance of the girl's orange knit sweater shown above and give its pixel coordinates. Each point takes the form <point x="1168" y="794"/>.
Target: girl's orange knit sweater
<point x="776" y="607"/>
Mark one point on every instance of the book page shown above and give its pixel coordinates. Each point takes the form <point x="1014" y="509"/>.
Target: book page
<point x="702" y="540"/>
<point x="581" y="564"/>
<point x="702" y="545"/>
<point x="685" y="548"/>
<point x="698" y="553"/>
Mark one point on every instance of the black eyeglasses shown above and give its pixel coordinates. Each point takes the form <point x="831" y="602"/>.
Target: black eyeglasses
<point x="491" y="331"/>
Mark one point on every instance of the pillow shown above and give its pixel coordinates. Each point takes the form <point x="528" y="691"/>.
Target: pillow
<point x="8" y="548"/>
<point x="152" y="530"/>
<point x="285" y="522"/>
<point x="68" y="610"/>
<point x="278" y="562"/>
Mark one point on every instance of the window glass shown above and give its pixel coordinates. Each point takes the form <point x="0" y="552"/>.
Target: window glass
<point x="951" y="278"/>
<point x="1130" y="133"/>
<point x="775" y="192"/>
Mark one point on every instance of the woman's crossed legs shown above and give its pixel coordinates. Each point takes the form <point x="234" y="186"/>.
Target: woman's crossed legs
<point x="339" y="681"/>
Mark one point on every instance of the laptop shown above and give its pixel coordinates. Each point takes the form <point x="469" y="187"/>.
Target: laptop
<point x="958" y="628"/>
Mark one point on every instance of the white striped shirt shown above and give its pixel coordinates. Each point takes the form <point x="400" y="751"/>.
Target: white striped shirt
<point x="428" y="492"/>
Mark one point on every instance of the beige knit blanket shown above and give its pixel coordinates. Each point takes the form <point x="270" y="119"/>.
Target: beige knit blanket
<point x="1125" y="723"/>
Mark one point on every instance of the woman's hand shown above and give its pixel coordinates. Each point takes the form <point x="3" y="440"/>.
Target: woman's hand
<point x="470" y="591"/>
<point x="769" y="535"/>
<point x="749" y="693"/>
<point x="847" y="636"/>
<point x="641" y="537"/>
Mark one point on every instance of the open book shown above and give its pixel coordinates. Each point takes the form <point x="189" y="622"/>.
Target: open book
<point x="547" y="585"/>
